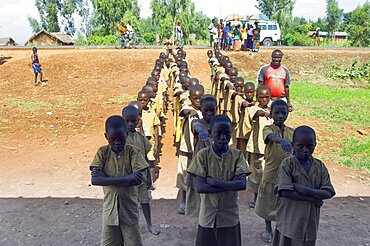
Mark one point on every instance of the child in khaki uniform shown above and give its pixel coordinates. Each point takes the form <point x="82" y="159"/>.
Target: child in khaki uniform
<point x="188" y="113"/>
<point x="260" y="116"/>
<point x="151" y="120"/>
<point x="227" y="90"/>
<point x="278" y="138"/>
<point x="303" y="183"/>
<point x="219" y="172"/>
<point x="136" y="138"/>
<point x="200" y="129"/>
<point x="236" y="99"/>
<point x="244" y="127"/>
<point x="119" y="169"/>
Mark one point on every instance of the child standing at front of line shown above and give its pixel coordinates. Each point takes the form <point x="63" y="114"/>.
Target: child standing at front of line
<point x="135" y="138"/>
<point x="36" y="66"/>
<point x="303" y="183"/>
<point x="219" y="172"/>
<point x="278" y="138"/>
<point x="200" y="129"/>
<point x="188" y="113"/>
<point x="260" y="117"/>
<point x="119" y="169"/>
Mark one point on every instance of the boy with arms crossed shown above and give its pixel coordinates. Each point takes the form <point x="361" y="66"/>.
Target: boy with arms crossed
<point x="303" y="183"/>
<point x="119" y="169"/>
<point x="219" y="172"/>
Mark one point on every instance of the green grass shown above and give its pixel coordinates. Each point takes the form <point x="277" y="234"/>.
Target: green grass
<point x="123" y="98"/>
<point x="356" y="153"/>
<point x="26" y="105"/>
<point x="339" y="106"/>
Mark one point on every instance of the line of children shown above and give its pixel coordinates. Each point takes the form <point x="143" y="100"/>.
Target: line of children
<point x="127" y="167"/>
<point x="261" y="135"/>
<point x="210" y="169"/>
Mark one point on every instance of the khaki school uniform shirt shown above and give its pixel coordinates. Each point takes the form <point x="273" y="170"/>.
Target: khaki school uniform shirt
<point x="138" y="140"/>
<point x="236" y="104"/>
<point x="113" y="165"/>
<point x="227" y="100"/>
<point x="150" y="119"/>
<point x="244" y="123"/>
<point x="187" y="137"/>
<point x="274" y="153"/>
<point x="256" y="143"/>
<point x="219" y="210"/>
<point x="165" y="73"/>
<point x="300" y="219"/>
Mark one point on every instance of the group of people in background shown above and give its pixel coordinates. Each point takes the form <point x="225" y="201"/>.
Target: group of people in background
<point x="229" y="140"/>
<point x="234" y="35"/>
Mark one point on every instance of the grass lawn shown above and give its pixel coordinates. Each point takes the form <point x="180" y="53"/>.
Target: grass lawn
<point x="340" y="107"/>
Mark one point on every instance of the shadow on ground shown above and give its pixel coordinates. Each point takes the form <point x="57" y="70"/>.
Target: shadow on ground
<point x="4" y="59"/>
<point x="77" y="221"/>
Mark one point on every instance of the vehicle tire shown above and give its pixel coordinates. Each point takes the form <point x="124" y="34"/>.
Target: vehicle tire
<point x="267" y="42"/>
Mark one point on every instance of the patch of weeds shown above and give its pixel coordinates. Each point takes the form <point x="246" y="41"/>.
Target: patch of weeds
<point x="27" y="105"/>
<point x="356" y="71"/>
<point x="123" y="98"/>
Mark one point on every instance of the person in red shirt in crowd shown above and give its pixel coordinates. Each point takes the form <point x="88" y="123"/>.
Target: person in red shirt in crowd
<point x="277" y="78"/>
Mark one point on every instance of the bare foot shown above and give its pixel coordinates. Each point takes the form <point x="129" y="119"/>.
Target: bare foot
<point x="267" y="237"/>
<point x="153" y="230"/>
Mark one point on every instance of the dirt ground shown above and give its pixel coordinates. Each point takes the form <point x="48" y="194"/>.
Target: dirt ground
<point x="48" y="136"/>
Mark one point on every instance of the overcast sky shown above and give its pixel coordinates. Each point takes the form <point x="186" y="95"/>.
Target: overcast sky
<point x="13" y="13"/>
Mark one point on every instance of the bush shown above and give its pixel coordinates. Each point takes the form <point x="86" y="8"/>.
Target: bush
<point x="149" y="38"/>
<point x="297" y="39"/>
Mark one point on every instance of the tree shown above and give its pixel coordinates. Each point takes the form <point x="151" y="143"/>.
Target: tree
<point x="357" y="23"/>
<point x="52" y="10"/>
<point x="35" y="25"/>
<point x="107" y="14"/>
<point x="165" y="14"/>
<point x="281" y="10"/>
<point x="48" y="10"/>
<point x="333" y="15"/>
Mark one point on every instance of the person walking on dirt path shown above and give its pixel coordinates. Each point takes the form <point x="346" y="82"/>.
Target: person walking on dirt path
<point x="277" y="78"/>
<point x="36" y="66"/>
<point x="179" y="35"/>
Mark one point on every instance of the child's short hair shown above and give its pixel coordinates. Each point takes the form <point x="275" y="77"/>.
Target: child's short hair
<point x="238" y="79"/>
<point x="143" y="92"/>
<point x="263" y="88"/>
<point x="249" y="85"/>
<point x="130" y="110"/>
<point x="233" y="70"/>
<point x="115" y="122"/>
<point x="208" y="98"/>
<point x="219" y="119"/>
<point x="184" y="79"/>
<point x="303" y="130"/>
<point x="196" y="88"/>
<point x="278" y="102"/>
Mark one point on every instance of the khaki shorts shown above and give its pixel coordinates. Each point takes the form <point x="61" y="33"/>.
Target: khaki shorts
<point x="128" y="235"/>
<point x="183" y="164"/>
<point x="144" y="195"/>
